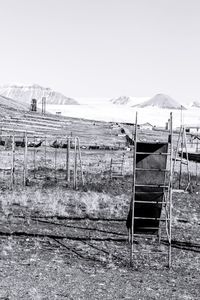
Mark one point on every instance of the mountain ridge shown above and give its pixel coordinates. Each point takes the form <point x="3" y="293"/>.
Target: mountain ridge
<point x="161" y="101"/>
<point x="195" y="104"/>
<point x="121" y="100"/>
<point x="26" y="93"/>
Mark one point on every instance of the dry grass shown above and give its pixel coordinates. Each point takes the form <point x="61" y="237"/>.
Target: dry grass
<point x="41" y="268"/>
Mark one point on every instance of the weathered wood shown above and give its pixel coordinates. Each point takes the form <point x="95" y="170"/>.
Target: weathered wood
<point x="170" y="194"/>
<point x="80" y="161"/>
<point x="12" y="179"/>
<point x="55" y="166"/>
<point x="68" y="160"/>
<point x="180" y="170"/>
<point x="188" y="169"/>
<point x="133" y="190"/>
<point x="34" y="159"/>
<point x="45" y="155"/>
<point x="25" y="159"/>
<point x="75" y="164"/>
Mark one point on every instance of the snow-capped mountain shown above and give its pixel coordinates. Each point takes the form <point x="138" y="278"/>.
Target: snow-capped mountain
<point x="25" y="94"/>
<point x="127" y="100"/>
<point x="161" y="101"/>
<point x="122" y="100"/>
<point x="195" y="104"/>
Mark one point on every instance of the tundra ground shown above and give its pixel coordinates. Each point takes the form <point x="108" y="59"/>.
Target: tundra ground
<point x="60" y="243"/>
<point x="57" y="243"/>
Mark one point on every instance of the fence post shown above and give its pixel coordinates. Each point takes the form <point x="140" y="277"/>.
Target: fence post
<point x="111" y="169"/>
<point x="75" y="163"/>
<point x="13" y="162"/>
<point x="25" y="159"/>
<point x="80" y="159"/>
<point x="55" y="162"/>
<point x="34" y="159"/>
<point x="45" y="156"/>
<point x="68" y="160"/>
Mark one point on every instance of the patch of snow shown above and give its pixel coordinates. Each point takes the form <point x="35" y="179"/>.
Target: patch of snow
<point x="161" y="101"/>
<point x="119" y="113"/>
<point x="26" y="93"/>
<point x="195" y="104"/>
<point x="127" y="100"/>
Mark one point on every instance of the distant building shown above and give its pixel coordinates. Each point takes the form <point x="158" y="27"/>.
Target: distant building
<point x="192" y="129"/>
<point x="146" y="126"/>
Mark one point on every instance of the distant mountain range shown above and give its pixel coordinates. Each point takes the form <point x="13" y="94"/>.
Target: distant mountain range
<point x="25" y="94"/>
<point x="161" y="101"/>
<point x="122" y="100"/>
<point x="195" y="104"/>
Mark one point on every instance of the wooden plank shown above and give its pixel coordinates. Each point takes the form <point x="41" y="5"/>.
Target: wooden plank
<point x="12" y="179"/>
<point x="133" y="189"/>
<point x="68" y="160"/>
<point x="25" y="159"/>
<point x="80" y="161"/>
<point x="75" y="164"/>
<point x="152" y="153"/>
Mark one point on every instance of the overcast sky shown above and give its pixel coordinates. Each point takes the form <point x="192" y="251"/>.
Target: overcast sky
<point x="102" y="48"/>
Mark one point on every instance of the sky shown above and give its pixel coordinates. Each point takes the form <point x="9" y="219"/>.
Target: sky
<point x="102" y="48"/>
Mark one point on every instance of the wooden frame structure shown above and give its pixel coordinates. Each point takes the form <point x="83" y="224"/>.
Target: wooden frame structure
<point x="197" y="150"/>
<point x="26" y="135"/>
<point x="150" y="203"/>
<point x="77" y="154"/>
<point x="182" y="144"/>
<point x="117" y="167"/>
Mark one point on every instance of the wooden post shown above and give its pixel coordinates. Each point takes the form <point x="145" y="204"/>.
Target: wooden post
<point x="181" y="162"/>
<point x="75" y="164"/>
<point x="34" y="159"/>
<point x="25" y="158"/>
<point x="12" y="181"/>
<point x="55" y="163"/>
<point x="45" y="156"/>
<point x="197" y="150"/>
<point x="80" y="160"/>
<point x="111" y="168"/>
<point x="182" y="140"/>
<point x="187" y="158"/>
<point x="133" y="190"/>
<point x="122" y="165"/>
<point x="68" y="160"/>
<point x="170" y="194"/>
<point x="176" y="152"/>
